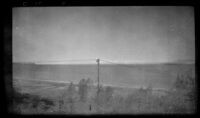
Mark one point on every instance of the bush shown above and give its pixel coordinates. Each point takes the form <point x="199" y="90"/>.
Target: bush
<point x="184" y="82"/>
<point x="83" y="90"/>
<point x="22" y="102"/>
<point x="183" y="99"/>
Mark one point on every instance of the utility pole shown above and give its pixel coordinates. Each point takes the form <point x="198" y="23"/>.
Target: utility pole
<point x="98" y="84"/>
<point x="98" y="74"/>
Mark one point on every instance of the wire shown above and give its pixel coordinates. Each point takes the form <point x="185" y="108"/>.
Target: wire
<point x="107" y="61"/>
<point x="93" y="60"/>
<point x="130" y="66"/>
<point x="124" y="65"/>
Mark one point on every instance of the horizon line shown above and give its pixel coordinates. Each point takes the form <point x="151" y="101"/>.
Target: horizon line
<point x="121" y="63"/>
<point x="102" y="61"/>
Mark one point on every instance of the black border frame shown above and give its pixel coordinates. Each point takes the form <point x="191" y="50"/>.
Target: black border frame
<point x="6" y="83"/>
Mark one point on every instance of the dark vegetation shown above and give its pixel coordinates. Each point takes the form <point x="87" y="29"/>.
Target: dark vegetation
<point x="22" y="101"/>
<point x="79" y="99"/>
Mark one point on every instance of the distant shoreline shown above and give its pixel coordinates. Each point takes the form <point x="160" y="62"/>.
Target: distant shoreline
<point x="167" y="63"/>
<point x="105" y="85"/>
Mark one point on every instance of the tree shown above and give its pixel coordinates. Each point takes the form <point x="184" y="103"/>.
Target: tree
<point x="179" y="84"/>
<point x="83" y="90"/>
<point x="69" y="97"/>
<point x="89" y="82"/>
<point x="108" y="93"/>
<point x="184" y="82"/>
<point x="149" y="88"/>
<point x="99" y="95"/>
<point x="187" y="84"/>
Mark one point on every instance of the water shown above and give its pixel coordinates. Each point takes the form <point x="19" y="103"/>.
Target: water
<point x="155" y="75"/>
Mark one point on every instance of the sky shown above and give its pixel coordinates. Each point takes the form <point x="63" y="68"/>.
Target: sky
<point x="130" y="34"/>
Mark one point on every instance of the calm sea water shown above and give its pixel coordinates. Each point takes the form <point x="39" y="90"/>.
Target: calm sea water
<point x="156" y="75"/>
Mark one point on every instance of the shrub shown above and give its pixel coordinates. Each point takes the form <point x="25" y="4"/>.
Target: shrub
<point x="83" y="90"/>
<point x="22" y="102"/>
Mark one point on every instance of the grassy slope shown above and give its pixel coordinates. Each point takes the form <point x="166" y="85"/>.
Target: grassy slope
<point x="53" y="89"/>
